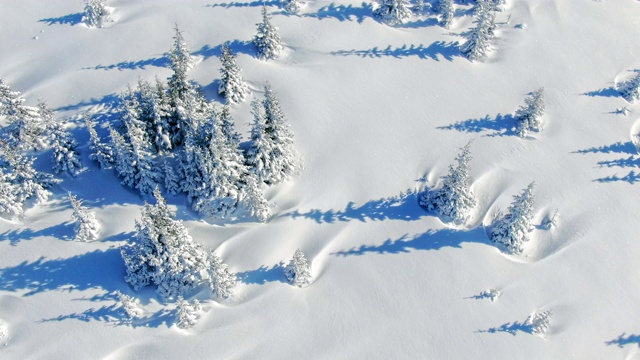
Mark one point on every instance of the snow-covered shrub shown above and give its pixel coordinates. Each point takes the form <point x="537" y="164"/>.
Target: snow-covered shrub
<point x="297" y="271"/>
<point x="539" y="322"/>
<point x="392" y="12"/>
<point x="267" y="41"/>
<point x="529" y="115"/>
<point x="551" y="221"/>
<point x="221" y="280"/>
<point x="187" y="314"/>
<point x="96" y="13"/>
<point x="232" y="86"/>
<point x="87" y="227"/>
<point x="292" y="6"/>
<point x="64" y="157"/>
<point x="630" y="89"/>
<point x="454" y="198"/>
<point x="164" y="253"/>
<point x="129" y="305"/>
<point x="512" y="230"/>
<point x="445" y="10"/>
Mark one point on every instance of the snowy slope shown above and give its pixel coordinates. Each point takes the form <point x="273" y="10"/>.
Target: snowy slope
<point x="374" y="109"/>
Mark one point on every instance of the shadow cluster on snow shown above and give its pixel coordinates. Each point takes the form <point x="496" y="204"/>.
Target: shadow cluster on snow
<point x="435" y="51"/>
<point x="510" y="328"/>
<point x="501" y="125"/>
<point x="631" y="161"/>
<point x="62" y="231"/>
<point x="401" y="207"/>
<point x="263" y="275"/>
<point x="430" y="240"/>
<point x="624" y="340"/>
<point x="70" y="19"/>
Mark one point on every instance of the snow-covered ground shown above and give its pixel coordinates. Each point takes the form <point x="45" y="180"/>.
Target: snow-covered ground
<point x="378" y="113"/>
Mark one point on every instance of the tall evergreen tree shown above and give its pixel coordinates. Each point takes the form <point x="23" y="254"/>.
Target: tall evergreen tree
<point x="221" y="280"/>
<point x="64" y="157"/>
<point x="513" y="229"/>
<point x="477" y="45"/>
<point x="232" y="86"/>
<point x="100" y="152"/>
<point x="529" y="115"/>
<point x="267" y="41"/>
<point x="454" y="198"/>
<point x="171" y="179"/>
<point x="124" y="158"/>
<point x="392" y="12"/>
<point x="87" y="227"/>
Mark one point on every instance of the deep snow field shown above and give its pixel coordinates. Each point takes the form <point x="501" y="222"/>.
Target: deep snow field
<point x="378" y="113"/>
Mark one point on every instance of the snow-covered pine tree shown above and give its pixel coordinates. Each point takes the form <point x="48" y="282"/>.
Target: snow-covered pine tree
<point x="445" y="11"/>
<point x="187" y="314"/>
<point x="164" y="253"/>
<point x="147" y="175"/>
<point x="171" y="179"/>
<point x="26" y="129"/>
<point x="539" y="322"/>
<point x="227" y="126"/>
<point x="27" y="182"/>
<point x="100" y="152"/>
<point x="232" y="85"/>
<point x="221" y="280"/>
<point x="87" y="227"/>
<point x="512" y="230"/>
<point x="267" y="41"/>
<point x="64" y="157"/>
<point x="96" y="13"/>
<point x="253" y="198"/>
<point x="454" y="199"/>
<point x="630" y="89"/>
<point x="129" y="305"/>
<point x="124" y="158"/>
<point x="477" y="45"/>
<point x="392" y="12"/>
<point x="153" y="113"/>
<point x="8" y="200"/>
<point x="292" y="6"/>
<point x="529" y="115"/>
<point x="258" y="156"/>
<point x="297" y="271"/>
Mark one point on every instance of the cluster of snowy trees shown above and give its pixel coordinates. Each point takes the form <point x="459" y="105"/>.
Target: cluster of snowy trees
<point x="172" y="136"/>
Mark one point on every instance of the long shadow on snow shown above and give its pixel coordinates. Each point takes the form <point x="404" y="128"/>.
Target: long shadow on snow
<point x="60" y="231"/>
<point x="93" y="270"/>
<point x="263" y="275"/>
<point x="632" y="177"/>
<point x="245" y="4"/>
<point x="617" y="148"/>
<point x="510" y="328"/>
<point x="435" y="51"/>
<point x="237" y="46"/>
<point x="162" y="62"/>
<point x="431" y="240"/>
<point x="629" y="162"/>
<point x="109" y="101"/>
<point x="606" y="92"/>
<point x="342" y="12"/>
<point x="71" y="19"/>
<point x="401" y="207"/>
<point x="623" y="340"/>
<point x="502" y="125"/>
<point x="116" y="316"/>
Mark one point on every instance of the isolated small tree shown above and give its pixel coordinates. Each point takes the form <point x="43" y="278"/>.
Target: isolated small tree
<point x="267" y="41"/>
<point x="539" y="322"/>
<point x="529" y="115"/>
<point x="187" y="314"/>
<point x="292" y="6"/>
<point x="392" y="12"/>
<point x="513" y="229"/>
<point x="232" y="86"/>
<point x="164" y="253"/>
<point x="445" y="11"/>
<point x="630" y="89"/>
<point x="100" y="152"/>
<point x="477" y="45"/>
<point x="96" y="13"/>
<point x="87" y="227"/>
<point x="64" y="157"/>
<point x="297" y="271"/>
<point x="221" y="280"/>
<point x="129" y="305"/>
<point x="253" y="198"/>
<point x="454" y="199"/>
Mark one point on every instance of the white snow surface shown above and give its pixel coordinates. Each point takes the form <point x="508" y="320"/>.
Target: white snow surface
<point x="374" y="109"/>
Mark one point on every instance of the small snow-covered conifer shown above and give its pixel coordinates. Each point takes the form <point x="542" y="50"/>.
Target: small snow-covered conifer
<point x="96" y="13"/>
<point x="232" y="86"/>
<point x="124" y="158"/>
<point x="171" y="179"/>
<point x="392" y="12"/>
<point x="26" y="180"/>
<point x="445" y="10"/>
<point x="529" y="115"/>
<point x="221" y="280"/>
<point x="8" y="200"/>
<point x="630" y="89"/>
<point x="267" y="41"/>
<point x="253" y="198"/>
<point x="64" y="157"/>
<point x="292" y="6"/>
<point x="297" y="271"/>
<point x="87" y="227"/>
<point x="26" y="129"/>
<point x="454" y="199"/>
<point x="164" y="253"/>
<point x="513" y="229"/>
<point x="129" y="305"/>
<point x="187" y="313"/>
<point x="477" y="45"/>
<point x="539" y="322"/>
<point x="100" y="152"/>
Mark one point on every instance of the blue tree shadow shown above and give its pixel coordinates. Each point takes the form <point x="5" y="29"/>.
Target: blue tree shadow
<point x="401" y="207"/>
<point x="257" y="3"/>
<point x="623" y="340"/>
<point x="617" y="148"/>
<point x="501" y="125"/>
<point x="622" y="162"/>
<point x="430" y="240"/>
<point x="109" y="101"/>
<point x="114" y="314"/>
<point x="605" y="92"/>
<point x="510" y="328"/>
<point x="436" y="51"/>
<point x="71" y="19"/>
<point x="263" y="275"/>
<point x="93" y="270"/>
<point x="626" y="162"/>
<point x="343" y="12"/>
<point x="161" y="62"/>
<point x="236" y="46"/>
<point x="632" y="177"/>
<point x="64" y="231"/>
